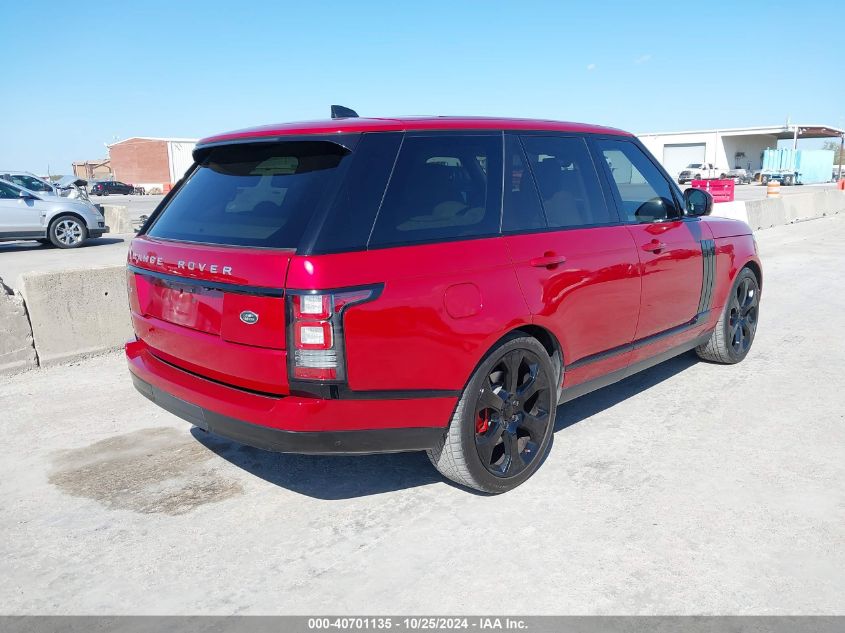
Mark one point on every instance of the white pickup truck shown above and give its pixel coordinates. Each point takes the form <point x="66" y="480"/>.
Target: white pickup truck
<point x="700" y="171"/>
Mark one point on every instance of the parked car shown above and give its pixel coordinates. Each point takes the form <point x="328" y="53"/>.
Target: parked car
<point x="72" y="187"/>
<point x="63" y="222"/>
<point x="739" y="176"/>
<point x="437" y="284"/>
<point x="700" y="171"/>
<point x="30" y="182"/>
<point x="107" y="187"/>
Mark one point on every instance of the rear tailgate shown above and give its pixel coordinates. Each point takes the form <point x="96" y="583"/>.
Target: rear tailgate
<point x="217" y="311"/>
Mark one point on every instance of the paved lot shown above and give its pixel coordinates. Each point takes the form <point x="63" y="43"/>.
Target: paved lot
<point x="22" y="257"/>
<point x="691" y="488"/>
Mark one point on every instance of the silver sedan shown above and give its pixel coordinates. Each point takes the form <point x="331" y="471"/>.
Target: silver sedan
<point x="63" y="222"/>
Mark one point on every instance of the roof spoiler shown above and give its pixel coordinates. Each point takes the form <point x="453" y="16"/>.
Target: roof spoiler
<point x="342" y="112"/>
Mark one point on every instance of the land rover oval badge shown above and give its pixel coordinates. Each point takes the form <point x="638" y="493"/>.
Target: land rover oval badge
<point x="249" y="317"/>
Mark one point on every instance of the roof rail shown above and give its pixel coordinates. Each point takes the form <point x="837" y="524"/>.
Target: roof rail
<point x="342" y="112"/>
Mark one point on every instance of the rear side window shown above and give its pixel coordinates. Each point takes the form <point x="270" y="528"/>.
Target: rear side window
<point x="260" y="195"/>
<point x="348" y="224"/>
<point x="642" y="190"/>
<point x="443" y="187"/>
<point x="567" y="180"/>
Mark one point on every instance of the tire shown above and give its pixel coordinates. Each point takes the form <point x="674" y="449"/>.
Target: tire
<point x="788" y="181"/>
<point x="721" y="176"/>
<point x="734" y="333"/>
<point x="513" y="431"/>
<point x="68" y="231"/>
<point x="764" y="180"/>
<point x="698" y="177"/>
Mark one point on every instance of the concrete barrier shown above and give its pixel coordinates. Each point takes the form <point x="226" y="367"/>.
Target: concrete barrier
<point x="17" y="352"/>
<point x="77" y="313"/>
<point x="764" y="214"/>
<point x="118" y="219"/>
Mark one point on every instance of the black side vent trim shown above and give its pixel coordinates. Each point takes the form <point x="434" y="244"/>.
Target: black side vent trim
<point x="708" y="252"/>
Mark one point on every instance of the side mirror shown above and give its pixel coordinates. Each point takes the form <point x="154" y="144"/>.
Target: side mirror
<point x="25" y="195"/>
<point x="698" y="202"/>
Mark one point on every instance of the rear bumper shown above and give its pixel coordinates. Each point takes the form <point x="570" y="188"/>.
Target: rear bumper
<point x="290" y="423"/>
<point x="308" y="442"/>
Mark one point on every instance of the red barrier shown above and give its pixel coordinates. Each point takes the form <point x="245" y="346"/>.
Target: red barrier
<point x="721" y="190"/>
<point x="841" y="184"/>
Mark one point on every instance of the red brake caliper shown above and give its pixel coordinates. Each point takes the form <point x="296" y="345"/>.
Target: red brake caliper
<point x="482" y="422"/>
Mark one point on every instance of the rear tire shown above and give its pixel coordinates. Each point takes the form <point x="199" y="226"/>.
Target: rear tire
<point x="734" y="333"/>
<point x="68" y="231"/>
<point x="503" y="424"/>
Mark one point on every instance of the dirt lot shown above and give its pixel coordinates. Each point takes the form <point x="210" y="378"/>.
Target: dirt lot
<point x="690" y="488"/>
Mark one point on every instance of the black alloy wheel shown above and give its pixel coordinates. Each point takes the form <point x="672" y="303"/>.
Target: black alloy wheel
<point x="511" y="417"/>
<point x="503" y="423"/>
<point x="742" y="315"/>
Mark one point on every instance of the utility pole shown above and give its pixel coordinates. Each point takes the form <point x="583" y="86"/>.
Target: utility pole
<point x="841" y="151"/>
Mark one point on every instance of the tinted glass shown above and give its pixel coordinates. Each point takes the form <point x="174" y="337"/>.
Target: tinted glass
<point x="644" y="193"/>
<point x="567" y="180"/>
<point x="443" y="187"/>
<point x="348" y="224"/>
<point x="259" y="195"/>
<point x="522" y="209"/>
<point x="7" y="192"/>
<point x="28" y="182"/>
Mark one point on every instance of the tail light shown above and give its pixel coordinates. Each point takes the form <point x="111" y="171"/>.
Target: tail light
<point x="316" y="349"/>
<point x="132" y="291"/>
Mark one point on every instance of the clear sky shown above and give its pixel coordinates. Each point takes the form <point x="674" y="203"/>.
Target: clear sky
<point x="79" y="74"/>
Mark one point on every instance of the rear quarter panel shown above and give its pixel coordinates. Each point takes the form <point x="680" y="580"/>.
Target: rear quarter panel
<point x="442" y="307"/>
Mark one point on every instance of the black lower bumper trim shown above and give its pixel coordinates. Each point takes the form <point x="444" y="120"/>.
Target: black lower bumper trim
<point x="306" y="442"/>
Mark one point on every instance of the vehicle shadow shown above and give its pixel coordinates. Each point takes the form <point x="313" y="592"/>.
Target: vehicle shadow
<point x="23" y="246"/>
<point x="334" y="477"/>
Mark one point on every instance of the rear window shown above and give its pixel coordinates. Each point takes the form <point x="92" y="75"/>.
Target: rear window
<point x="259" y="195"/>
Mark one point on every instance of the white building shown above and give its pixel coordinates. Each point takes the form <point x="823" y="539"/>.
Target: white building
<point x="728" y="148"/>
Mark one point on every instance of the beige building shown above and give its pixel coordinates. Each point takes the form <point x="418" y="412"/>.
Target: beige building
<point x="93" y="169"/>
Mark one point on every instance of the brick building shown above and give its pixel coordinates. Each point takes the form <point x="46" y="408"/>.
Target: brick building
<point x="151" y="162"/>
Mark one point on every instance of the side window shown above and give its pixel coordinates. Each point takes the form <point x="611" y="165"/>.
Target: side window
<point x="522" y="209"/>
<point x="643" y="192"/>
<point x="567" y="180"/>
<point x="7" y="192"/>
<point x="442" y="187"/>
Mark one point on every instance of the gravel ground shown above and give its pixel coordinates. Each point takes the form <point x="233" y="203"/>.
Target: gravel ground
<point x="690" y="488"/>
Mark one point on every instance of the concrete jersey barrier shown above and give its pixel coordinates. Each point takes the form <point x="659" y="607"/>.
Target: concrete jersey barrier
<point x="17" y="352"/>
<point x="764" y="214"/>
<point x="77" y="313"/>
<point x="118" y="219"/>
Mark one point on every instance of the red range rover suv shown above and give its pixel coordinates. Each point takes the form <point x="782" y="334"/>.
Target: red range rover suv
<point x="363" y="285"/>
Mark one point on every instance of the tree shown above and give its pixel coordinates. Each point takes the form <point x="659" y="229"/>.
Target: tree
<point x="836" y="147"/>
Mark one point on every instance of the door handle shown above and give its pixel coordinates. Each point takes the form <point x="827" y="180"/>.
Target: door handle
<point x="548" y="260"/>
<point x="654" y="246"/>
